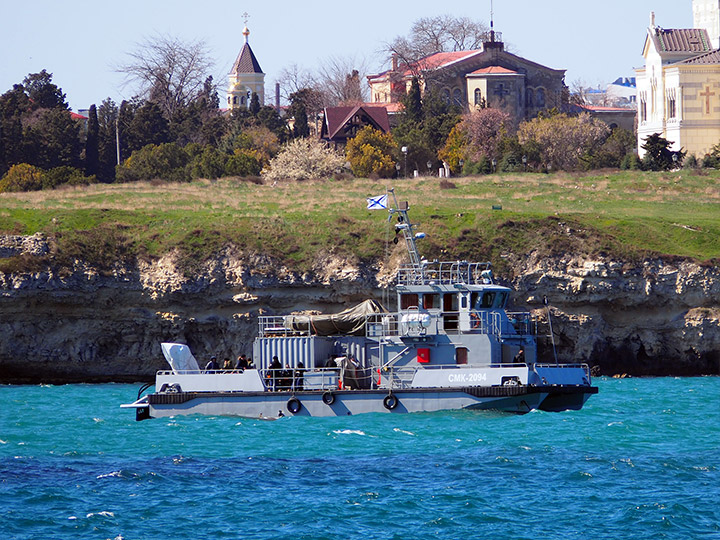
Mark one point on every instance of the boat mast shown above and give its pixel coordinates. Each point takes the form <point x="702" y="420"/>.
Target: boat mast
<point x="406" y="228"/>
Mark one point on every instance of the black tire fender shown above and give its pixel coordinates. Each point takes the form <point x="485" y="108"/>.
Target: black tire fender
<point x="328" y="398"/>
<point x="390" y="402"/>
<point x="294" y="405"/>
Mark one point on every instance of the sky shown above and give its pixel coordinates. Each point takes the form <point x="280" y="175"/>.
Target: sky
<point x="82" y="42"/>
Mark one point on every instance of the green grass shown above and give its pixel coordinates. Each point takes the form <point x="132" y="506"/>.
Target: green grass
<point x="623" y="214"/>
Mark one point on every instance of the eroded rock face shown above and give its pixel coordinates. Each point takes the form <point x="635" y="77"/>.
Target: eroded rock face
<point x="83" y="325"/>
<point x="656" y="318"/>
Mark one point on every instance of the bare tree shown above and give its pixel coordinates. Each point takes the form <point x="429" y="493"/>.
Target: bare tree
<point x="294" y="78"/>
<point x="342" y="81"/>
<point x="430" y="35"/>
<point x="168" y="71"/>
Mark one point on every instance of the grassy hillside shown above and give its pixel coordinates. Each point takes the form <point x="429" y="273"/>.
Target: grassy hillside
<point x="629" y="214"/>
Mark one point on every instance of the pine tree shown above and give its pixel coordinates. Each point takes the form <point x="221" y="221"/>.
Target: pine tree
<point x="254" y="104"/>
<point x="92" y="158"/>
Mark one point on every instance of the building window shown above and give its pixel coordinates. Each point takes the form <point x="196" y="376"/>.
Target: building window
<point x="530" y="98"/>
<point x="671" y="104"/>
<point x="642" y="107"/>
<point x="446" y="96"/>
<point x="478" y="97"/>
<point x="540" y="97"/>
<point x="457" y="97"/>
<point x="234" y="100"/>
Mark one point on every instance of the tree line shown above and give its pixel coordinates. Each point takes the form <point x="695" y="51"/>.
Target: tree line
<point x="175" y="130"/>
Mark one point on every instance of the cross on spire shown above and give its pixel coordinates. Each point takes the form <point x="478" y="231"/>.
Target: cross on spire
<point x="245" y="17"/>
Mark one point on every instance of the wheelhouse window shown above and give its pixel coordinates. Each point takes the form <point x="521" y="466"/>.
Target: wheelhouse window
<point x="408" y="300"/>
<point x="431" y="301"/>
<point x="489" y="300"/>
<point x="450" y="302"/>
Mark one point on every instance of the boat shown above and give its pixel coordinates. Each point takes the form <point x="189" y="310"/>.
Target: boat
<point x="450" y="344"/>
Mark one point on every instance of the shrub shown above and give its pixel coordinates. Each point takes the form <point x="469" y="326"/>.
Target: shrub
<point x="370" y="153"/>
<point x="455" y="148"/>
<point x="210" y="163"/>
<point x="65" y="175"/>
<point x="242" y="163"/>
<point x="303" y="159"/>
<point x="166" y="161"/>
<point x="631" y="162"/>
<point x="22" y="177"/>
<point x="563" y="142"/>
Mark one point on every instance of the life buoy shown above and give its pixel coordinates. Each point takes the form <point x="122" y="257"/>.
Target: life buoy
<point x="294" y="405"/>
<point x="328" y="398"/>
<point x="474" y="320"/>
<point x="390" y="402"/>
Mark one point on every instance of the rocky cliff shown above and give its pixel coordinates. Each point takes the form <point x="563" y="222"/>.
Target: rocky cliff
<point x="81" y="324"/>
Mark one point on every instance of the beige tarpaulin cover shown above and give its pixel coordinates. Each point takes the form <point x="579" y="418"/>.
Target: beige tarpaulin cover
<point x="349" y="322"/>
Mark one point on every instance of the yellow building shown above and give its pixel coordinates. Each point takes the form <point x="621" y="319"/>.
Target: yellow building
<point x="487" y="77"/>
<point x="678" y="89"/>
<point x="246" y="78"/>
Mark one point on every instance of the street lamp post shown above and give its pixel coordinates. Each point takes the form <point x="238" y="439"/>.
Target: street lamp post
<point x="404" y="150"/>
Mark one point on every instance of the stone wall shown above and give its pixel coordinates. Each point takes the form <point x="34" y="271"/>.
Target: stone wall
<point x="655" y="318"/>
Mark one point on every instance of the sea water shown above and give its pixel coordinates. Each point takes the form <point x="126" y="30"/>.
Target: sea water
<point x="640" y="461"/>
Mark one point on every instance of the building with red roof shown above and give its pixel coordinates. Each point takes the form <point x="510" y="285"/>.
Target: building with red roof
<point x="342" y="123"/>
<point x="486" y="77"/>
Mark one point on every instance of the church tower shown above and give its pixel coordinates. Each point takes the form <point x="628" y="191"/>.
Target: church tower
<point x="706" y="15"/>
<point x="245" y="77"/>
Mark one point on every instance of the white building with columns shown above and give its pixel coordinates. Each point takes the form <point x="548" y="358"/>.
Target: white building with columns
<point x="678" y="89"/>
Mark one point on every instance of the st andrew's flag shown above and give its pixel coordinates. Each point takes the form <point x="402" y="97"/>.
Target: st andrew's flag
<point x="377" y="203"/>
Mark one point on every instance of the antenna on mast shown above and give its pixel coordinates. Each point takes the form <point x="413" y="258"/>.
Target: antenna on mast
<point x="492" y="21"/>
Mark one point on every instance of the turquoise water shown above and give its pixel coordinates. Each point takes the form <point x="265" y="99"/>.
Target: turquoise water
<point x="640" y="461"/>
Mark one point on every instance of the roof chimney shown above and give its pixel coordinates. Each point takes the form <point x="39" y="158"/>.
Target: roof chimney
<point x="394" y="61"/>
<point x="652" y="19"/>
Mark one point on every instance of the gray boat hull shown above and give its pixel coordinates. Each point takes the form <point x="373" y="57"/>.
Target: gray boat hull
<point x="512" y="399"/>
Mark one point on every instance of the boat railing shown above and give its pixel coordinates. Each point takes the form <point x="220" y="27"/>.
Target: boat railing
<point x="274" y="326"/>
<point x="342" y="377"/>
<point x="584" y="367"/>
<point x="445" y="273"/>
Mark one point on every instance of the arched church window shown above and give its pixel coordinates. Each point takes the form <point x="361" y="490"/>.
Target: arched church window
<point x="228" y="100"/>
<point x="234" y="100"/>
<point x="457" y="97"/>
<point x="446" y="96"/>
<point x="530" y="98"/>
<point x="242" y="100"/>
<point x="540" y="97"/>
<point x="478" y="97"/>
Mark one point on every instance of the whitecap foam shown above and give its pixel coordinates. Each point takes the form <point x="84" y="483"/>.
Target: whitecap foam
<point x="103" y="513"/>
<point x="114" y="474"/>
<point x="3" y="442"/>
<point x="349" y="432"/>
<point x="98" y="420"/>
<point x="398" y="430"/>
